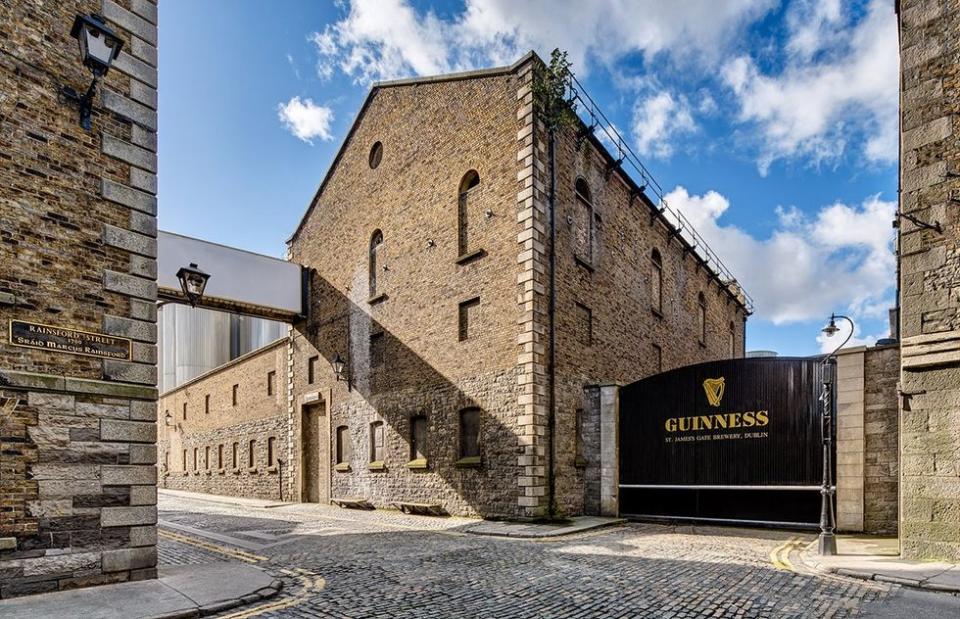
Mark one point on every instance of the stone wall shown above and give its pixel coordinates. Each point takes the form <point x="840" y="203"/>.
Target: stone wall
<point x="77" y="250"/>
<point x="191" y="445"/>
<point x="881" y="440"/>
<point x="612" y="292"/>
<point x="930" y="280"/>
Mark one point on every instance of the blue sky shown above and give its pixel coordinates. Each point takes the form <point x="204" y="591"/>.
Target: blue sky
<point x="771" y="125"/>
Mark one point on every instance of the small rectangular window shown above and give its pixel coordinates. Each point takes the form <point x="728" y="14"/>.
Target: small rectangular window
<point x="271" y="444"/>
<point x="236" y="394"/>
<point x="657" y="358"/>
<point x="376" y="441"/>
<point x="343" y="445"/>
<point x="468" y="318"/>
<point x="584" y="325"/>
<point x="733" y="342"/>
<point x="206" y="458"/>
<point x="184" y="411"/>
<point x="206" y="404"/>
<point x="184" y="459"/>
<point x="252" y="454"/>
<point x="377" y="349"/>
<point x="271" y="380"/>
<point x="578" y="450"/>
<point x="418" y="438"/>
<point x="220" y="456"/>
<point x="236" y="455"/>
<point x="470" y="433"/>
<point x="195" y="459"/>
<point x="312" y="370"/>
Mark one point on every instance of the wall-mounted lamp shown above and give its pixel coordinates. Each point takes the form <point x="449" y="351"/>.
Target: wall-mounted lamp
<point x="99" y="47"/>
<point x="168" y="419"/>
<point x="341" y="371"/>
<point x="193" y="281"/>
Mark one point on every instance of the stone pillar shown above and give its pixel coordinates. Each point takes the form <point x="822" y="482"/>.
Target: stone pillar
<point x="609" y="450"/>
<point x="78" y="279"/>
<point x="929" y="254"/>
<point x="850" y="442"/>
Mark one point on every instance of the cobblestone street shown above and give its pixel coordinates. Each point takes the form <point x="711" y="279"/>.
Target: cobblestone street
<point x="338" y="563"/>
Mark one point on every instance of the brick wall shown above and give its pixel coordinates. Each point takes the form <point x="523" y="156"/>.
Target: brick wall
<point x="77" y="250"/>
<point x="930" y="279"/>
<point x="432" y="135"/>
<point x="402" y="342"/>
<point x="256" y="416"/>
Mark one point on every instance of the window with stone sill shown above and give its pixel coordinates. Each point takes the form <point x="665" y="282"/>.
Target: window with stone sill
<point x="468" y="217"/>
<point x="312" y="369"/>
<point x="343" y="448"/>
<point x="583" y="223"/>
<point x="418" y="442"/>
<point x="656" y="282"/>
<point x="376" y="443"/>
<point x="467" y="317"/>
<point x="376" y="245"/>
<point x="702" y="318"/>
<point x="469" y="436"/>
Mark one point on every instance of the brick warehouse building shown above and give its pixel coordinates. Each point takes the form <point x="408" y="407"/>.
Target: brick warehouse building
<point x="77" y="252"/>
<point x="428" y="246"/>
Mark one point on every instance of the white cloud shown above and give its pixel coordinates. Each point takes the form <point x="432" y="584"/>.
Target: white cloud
<point x="839" y="259"/>
<point x="839" y="81"/>
<point x="382" y="39"/>
<point x="657" y="120"/>
<point x="305" y="119"/>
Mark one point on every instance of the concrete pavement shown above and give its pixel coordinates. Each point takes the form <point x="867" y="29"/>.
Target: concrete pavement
<point x="873" y="558"/>
<point x="180" y="591"/>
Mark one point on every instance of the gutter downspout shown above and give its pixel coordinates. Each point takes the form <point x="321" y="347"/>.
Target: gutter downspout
<point x="552" y="363"/>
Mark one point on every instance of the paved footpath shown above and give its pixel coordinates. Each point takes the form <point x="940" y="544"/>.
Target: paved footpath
<point x="354" y="564"/>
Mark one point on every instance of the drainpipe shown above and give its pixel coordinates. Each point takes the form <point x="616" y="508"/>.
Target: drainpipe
<point x="552" y="362"/>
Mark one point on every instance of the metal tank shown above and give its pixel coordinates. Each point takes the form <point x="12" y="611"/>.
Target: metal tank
<point x="193" y="341"/>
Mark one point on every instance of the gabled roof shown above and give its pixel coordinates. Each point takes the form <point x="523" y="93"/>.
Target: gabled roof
<point x="413" y="81"/>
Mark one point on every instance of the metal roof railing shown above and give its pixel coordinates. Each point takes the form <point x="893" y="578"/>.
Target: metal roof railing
<point x="597" y="120"/>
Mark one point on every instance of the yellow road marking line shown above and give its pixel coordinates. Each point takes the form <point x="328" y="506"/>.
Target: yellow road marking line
<point x="236" y="554"/>
<point x="308" y="586"/>
<point x="780" y="556"/>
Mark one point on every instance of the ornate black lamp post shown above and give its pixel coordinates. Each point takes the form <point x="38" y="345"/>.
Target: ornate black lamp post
<point x="99" y="47"/>
<point x="828" y="541"/>
<point x="340" y="370"/>
<point x="193" y="281"/>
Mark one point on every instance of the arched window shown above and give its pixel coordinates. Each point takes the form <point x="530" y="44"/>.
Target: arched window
<point x="583" y="223"/>
<point x="466" y="212"/>
<point x="656" y="282"/>
<point x="733" y="341"/>
<point x="702" y="317"/>
<point x="376" y="155"/>
<point x="376" y="240"/>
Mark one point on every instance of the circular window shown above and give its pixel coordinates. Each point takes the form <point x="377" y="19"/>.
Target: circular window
<point x="376" y="154"/>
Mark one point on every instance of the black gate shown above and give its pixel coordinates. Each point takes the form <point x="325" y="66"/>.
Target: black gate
<point x="736" y="440"/>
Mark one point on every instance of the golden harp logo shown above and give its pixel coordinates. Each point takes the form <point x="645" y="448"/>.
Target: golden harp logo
<point x="714" y="390"/>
